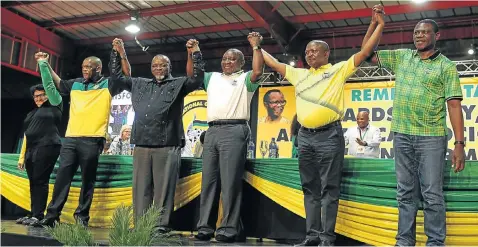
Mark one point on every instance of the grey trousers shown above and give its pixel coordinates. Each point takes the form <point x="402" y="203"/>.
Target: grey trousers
<point x="155" y="173"/>
<point x="321" y="157"/>
<point x="224" y="158"/>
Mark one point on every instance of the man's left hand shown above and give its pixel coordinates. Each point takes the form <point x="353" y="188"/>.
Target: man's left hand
<point x="360" y="142"/>
<point x="458" y="160"/>
<point x="192" y="45"/>
<point x="118" y="46"/>
<point x="254" y="39"/>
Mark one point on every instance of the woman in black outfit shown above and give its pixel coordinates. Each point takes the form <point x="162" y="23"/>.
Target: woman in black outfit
<point x="40" y="149"/>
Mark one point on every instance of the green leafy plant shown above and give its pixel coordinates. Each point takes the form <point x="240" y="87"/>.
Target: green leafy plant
<point x="144" y="232"/>
<point x="71" y="234"/>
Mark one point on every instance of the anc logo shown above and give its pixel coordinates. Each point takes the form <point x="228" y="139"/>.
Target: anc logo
<point x="195" y="126"/>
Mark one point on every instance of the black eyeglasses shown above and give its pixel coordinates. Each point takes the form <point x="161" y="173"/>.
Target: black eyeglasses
<point x="38" y="95"/>
<point x="284" y="102"/>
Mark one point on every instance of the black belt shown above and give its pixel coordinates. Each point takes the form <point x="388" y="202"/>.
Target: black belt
<point x="323" y="128"/>
<point x="225" y="122"/>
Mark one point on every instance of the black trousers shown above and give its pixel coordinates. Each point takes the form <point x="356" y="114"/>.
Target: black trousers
<point x="321" y="160"/>
<point x="39" y="163"/>
<point x="76" y="151"/>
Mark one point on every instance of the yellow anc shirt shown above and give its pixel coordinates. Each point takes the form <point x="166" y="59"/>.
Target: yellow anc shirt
<point x="320" y="92"/>
<point x="90" y="105"/>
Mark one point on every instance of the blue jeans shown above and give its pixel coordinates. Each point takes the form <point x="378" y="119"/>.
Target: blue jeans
<point x="419" y="165"/>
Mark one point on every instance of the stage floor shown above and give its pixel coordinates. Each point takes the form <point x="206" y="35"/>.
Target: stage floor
<point x="39" y="236"/>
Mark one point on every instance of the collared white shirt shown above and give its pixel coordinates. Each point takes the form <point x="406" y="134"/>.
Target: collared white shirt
<point x="371" y="135"/>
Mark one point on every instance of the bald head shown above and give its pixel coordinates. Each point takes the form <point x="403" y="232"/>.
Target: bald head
<point x="238" y="53"/>
<point x="160" y="67"/>
<point x="317" y="53"/>
<point x="94" y="60"/>
<point x="91" y="68"/>
<point x="362" y="119"/>
<point x="232" y="61"/>
<point x="161" y="56"/>
<point x="321" y="44"/>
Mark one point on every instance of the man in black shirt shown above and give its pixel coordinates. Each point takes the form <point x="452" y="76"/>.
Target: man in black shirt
<point x="157" y="130"/>
<point x="40" y="149"/>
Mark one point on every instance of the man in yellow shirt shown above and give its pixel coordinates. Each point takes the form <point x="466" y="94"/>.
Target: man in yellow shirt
<point x="319" y="96"/>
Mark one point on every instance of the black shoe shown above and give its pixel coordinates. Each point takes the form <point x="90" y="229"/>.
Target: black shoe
<point x="34" y="221"/>
<point x="203" y="236"/>
<point x="163" y="230"/>
<point x="225" y="239"/>
<point x="30" y="220"/>
<point x="326" y="243"/>
<point x="50" y="222"/>
<point x="20" y="221"/>
<point x="308" y="242"/>
<point x="82" y="222"/>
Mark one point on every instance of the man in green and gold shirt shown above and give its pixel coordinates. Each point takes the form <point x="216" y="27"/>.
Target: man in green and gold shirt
<point x="319" y="95"/>
<point x="425" y="81"/>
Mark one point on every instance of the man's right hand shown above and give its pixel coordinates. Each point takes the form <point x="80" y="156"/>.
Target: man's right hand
<point x="21" y="166"/>
<point x="192" y="45"/>
<point x="41" y="56"/>
<point x="118" y="46"/>
<point x="379" y="18"/>
<point x="377" y="12"/>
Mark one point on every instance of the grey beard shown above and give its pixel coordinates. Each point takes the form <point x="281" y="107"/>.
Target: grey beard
<point x="159" y="78"/>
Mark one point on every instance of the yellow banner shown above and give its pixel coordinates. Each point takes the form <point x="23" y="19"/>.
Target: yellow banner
<point x="194" y="120"/>
<point x="276" y="110"/>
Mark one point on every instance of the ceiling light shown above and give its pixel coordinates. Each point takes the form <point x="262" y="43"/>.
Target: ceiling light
<point x="419" y="1"/>
<point x="472" y="49"/>
<point x="133" y="26"/>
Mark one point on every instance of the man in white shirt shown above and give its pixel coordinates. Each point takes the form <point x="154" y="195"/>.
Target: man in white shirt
<point x="364" y="140"/>
<point x="229" y="96"/>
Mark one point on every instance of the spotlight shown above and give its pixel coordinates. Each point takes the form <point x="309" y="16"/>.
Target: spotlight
<point x="472" y="49"/>
<point x="292" y="63"/>
<point x="133" y="25"/>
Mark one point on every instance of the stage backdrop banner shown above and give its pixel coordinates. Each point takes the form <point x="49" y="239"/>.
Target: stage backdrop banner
<point x="194" y="120"/>
<point x="377" y="98"/>
<point x="276" y="110"/>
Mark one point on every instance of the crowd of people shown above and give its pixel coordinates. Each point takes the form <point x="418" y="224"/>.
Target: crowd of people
<point x="426" y="82"/>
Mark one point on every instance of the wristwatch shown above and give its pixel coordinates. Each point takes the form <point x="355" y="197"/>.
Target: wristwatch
<point x="196" y="55"/>
<point x="460" y="142"/>
<point x="258" y="47"/>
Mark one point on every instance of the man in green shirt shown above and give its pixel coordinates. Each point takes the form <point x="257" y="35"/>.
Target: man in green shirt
<point x="425" y="81"/>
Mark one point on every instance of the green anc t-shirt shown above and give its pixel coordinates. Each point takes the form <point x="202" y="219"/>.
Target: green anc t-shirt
<point x="422" y="87"/>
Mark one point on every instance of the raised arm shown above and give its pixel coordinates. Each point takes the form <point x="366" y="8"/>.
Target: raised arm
<point x="275" y="65"/>
<point x="370" y="43"/>
<point x="45" y="70"/>
<point x="255" y="40"/>
<point x="196" y="75"/>
<point x="120" y="70"/>
<point x="373" y="24"/>
<point x="118" y="45"/>
<point x="189" y="63"/>
<point x="52" y="73"/>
